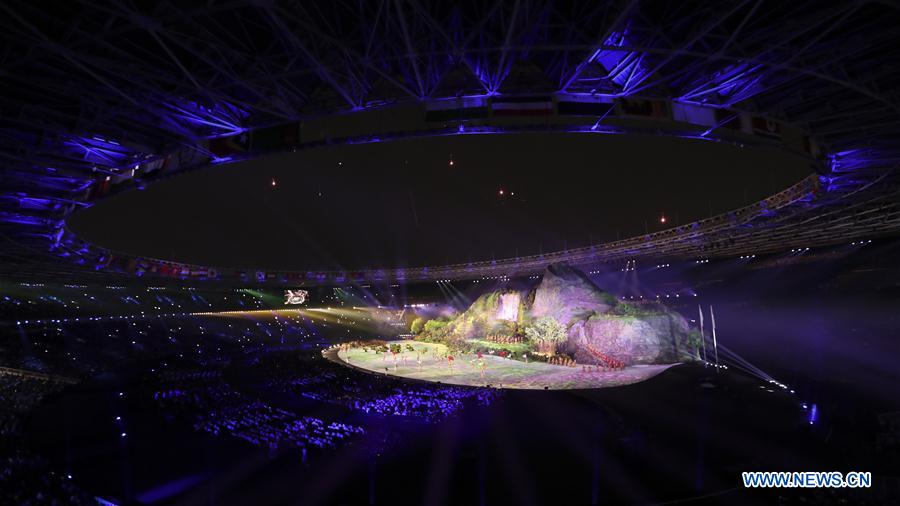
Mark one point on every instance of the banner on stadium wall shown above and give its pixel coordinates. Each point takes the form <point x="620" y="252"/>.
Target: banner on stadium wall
<point x="456" y="109"/>
<point x="584" y="105"/>
<point x="199" y="272"/>
<point x="541" y="105"/>
<point x="644" y="108"/>
<point x="694" y="114"/>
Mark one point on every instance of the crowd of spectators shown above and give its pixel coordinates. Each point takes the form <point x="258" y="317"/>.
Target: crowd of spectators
<point x="43" y="302"/>
<point x="19" y="392"/>
<point x="26" y="478"/>
<point x="61" y="336"/>
<point x="374" y="394"/>
<point x="213" y="406"/>
<point x="86" y="348"/>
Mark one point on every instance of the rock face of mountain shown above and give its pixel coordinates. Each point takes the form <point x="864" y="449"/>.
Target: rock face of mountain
<point x="598" y="327"/>
<point x="565" y="293"/>
<point x="497" y="312"/>
<point x="645" y="339"/>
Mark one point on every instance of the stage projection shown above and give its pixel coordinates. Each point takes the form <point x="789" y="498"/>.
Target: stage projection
<point x="295" y="297"/>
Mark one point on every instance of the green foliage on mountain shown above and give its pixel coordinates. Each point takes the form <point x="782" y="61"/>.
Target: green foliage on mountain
<point x="546" y="330"/>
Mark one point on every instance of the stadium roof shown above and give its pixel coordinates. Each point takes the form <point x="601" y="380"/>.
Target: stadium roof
<point x="101" y="97"/>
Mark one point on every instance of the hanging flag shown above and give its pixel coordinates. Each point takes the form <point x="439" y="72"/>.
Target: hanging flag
<point x="712" y="317"/>
<point x="702" y="335"/>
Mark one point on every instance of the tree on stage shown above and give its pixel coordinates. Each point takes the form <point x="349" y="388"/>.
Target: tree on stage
<point x="547" y="333"/>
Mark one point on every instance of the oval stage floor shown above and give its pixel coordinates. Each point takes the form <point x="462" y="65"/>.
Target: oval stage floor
<point x="427" y="363"/>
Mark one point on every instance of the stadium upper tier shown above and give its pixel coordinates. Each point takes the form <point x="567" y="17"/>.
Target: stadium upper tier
<point x="108" y="97"/>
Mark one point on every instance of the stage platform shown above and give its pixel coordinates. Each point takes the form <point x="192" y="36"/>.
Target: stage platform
<point x="497" y="371"/>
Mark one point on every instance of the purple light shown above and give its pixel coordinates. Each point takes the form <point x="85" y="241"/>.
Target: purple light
<point x="218" y="120"/>
<point x="625" y="68"/>
<point x="727" y="86"/>
<point x="100" y="151"/>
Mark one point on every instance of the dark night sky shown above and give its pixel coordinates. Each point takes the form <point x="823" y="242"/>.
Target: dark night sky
<point x="402" y="204"/>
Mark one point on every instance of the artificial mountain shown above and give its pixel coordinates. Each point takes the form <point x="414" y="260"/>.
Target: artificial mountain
<point x="592" y="326"/>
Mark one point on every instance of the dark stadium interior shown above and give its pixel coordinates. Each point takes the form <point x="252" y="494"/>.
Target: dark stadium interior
<point x="330" y="210"/>
<point x="402" y="252"/>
